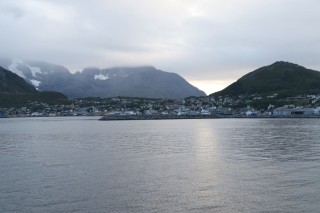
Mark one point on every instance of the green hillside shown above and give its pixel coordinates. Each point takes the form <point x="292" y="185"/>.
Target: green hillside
<point x="283" y="78"/>
<point x="21" y="99"/>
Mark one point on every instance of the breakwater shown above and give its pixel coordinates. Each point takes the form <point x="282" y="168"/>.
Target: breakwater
<point x="172" y="117"/>
<point x="157" y="117"/>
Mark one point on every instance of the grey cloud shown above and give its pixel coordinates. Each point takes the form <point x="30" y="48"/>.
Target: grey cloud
<point x="13" y="11"/>
<point x="200" y="40"/>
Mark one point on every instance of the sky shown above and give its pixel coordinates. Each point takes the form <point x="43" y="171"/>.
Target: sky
<point x="211" y="43"/>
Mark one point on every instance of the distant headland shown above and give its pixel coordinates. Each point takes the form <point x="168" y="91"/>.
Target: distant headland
<point x="281" y="89"/>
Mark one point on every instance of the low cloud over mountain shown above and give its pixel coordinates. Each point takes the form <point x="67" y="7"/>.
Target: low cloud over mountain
<point x="92" y="82"/>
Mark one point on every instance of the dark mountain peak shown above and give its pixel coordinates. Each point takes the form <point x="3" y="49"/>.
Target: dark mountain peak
<point x="12" y="83"/>
<point x="278" y="68"/>
<point x="282" y="63"/>
<point x="286" y="65"/>
<point x="279" y="77"/>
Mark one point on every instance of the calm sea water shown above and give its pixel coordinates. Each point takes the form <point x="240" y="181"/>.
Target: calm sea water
<point x="222" y="165"/>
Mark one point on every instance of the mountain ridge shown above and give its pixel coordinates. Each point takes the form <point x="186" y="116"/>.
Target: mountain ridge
<point x="12" y="83"/>
<point x="144" y="81"/>
<point x="15" y="91"/>
<point x="281" y="77"/>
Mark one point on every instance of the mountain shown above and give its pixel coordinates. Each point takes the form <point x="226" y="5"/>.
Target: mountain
<point x="283" y="78"/>
<point x="12" y="83"/>
<point x="132" y="82"/>
<point x="15" y="91"/>
<point x="145" y="81"/>
<point x="36" y="73"/>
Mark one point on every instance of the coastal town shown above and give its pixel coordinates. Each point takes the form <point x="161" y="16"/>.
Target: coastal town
<point x="118" y="108"/>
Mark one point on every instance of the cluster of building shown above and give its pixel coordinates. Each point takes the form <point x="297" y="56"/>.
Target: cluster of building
<point x="192" y="106"/>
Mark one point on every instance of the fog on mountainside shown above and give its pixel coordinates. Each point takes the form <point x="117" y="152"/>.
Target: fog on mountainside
<point x="145" y="81"/>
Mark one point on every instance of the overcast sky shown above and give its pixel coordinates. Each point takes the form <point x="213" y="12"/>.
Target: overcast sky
<point x="211" y="43"/>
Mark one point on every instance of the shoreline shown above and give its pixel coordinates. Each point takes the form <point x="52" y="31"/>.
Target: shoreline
<point x="184" y="117"/>
<point x="171" y="117"/>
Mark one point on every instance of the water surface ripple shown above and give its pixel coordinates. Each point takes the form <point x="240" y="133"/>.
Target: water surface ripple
<point x="220" y="165"/>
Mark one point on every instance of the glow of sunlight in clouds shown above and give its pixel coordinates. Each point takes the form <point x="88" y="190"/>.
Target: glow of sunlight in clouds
<point x="211" y="86"/>
<point x="203" y="40"/>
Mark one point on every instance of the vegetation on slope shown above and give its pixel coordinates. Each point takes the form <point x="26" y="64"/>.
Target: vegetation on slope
<point x="12" y="83"/>
<point x="282" y="78"/>
<point x="21" y="99"/>
<point x="15" y="91"/>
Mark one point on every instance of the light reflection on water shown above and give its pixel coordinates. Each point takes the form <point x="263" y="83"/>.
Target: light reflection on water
<point x="222" y="165"/>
